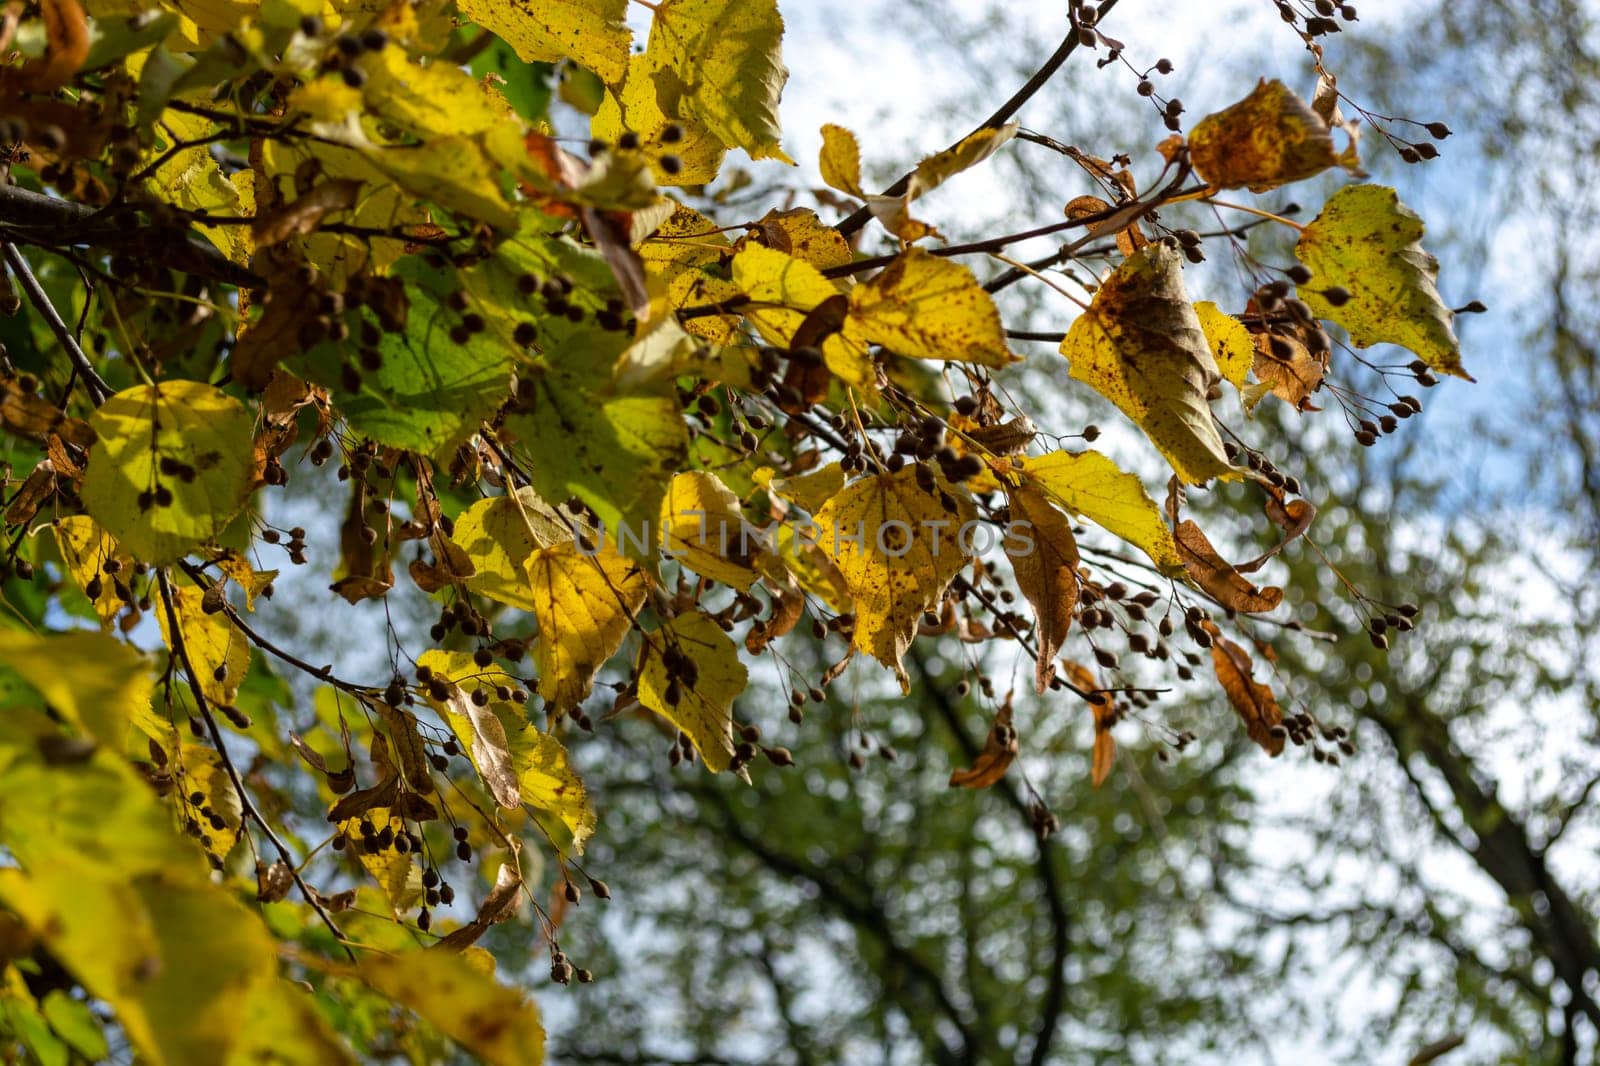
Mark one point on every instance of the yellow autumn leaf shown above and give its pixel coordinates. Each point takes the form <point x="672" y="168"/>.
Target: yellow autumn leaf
<point x="782" y="290"/>
<point x="697" y="694"/>
<point x="1269" y="138"/>
<point x="86" y="549"/>
<point x="720" y="64"/>
<point x="498" y="1025"/>
<point x="926" y="307"/>
<point x="545" y="777"/>
<point x="633" y="107"/>
<point x="1231" y="344"/>
<point x="896" y="548"/>
<point x="171" y="467"/>
<point x="1090" y="484"/>
<point x="808" y="491"/>
<point x="396" y="872"/>
<point x="592" y="33"/>
<point x="250" y="580"/>
<point x="703" y="527"/>
<point x="209" y="808"/>
<point x="840" y="161"/>
<point x="498" y="534"/>
<point x="219" y="653"/>
<point x="584" y="605"/>
<point x="1141" y="346"/>
<point x="800" y="233"/>
<point x="1368" y="243"/>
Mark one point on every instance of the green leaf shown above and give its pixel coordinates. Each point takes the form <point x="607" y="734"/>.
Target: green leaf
<point x="173" y="464"/>
<point x="1140" y="346"/>
<point x="1090" y="484"/>
<point x="1368" y="243"/>
<point x="93" y="680"/>
<point x="424" y="386"/>
<point x="614" y="450"/>
<point x="719" y="63"/>
<point x="74" y="1023"/>
<point x="592" y="33"/>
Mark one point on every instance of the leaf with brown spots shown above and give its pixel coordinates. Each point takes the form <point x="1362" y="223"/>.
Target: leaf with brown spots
<point x="1141" y="346"/>
<point x="1267" y="139"/>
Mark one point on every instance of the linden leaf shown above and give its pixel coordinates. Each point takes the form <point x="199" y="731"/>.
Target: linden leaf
<point x="1229" y="340"/>
<point x="1286" y="363"/>
<point x="696" y="694"/>
<point x="1044" y="558"/>
<point x="927" y="307"/>
<point x="1090" y="484"/>
<point x="208" y="804"/>
<point x="545" y="777"/>
<point x="1254" y="702"/>
<point x="396" y="872"/>
<point x="491" y="753"/>
<point x="86" y="549"/>
<point x="703" y="527"/>
<point x="782" y="290"/>
<point x="1141" y="346"/>
<point x="614" y="450"/>
<point x="896" y="548"/>
<point x="1269" y="138"/>
<point x="999" y="752"/>
<point x="809" y="490"/>
<point x="171" y="467"/>
<point x="1368" y="243"/>
<point x="497" y="1024"/>
<point x="800" y="233"/>
<point x="219" y="653"/>
<point x="720" y="65"/>
<point x="91" y="679"/>
<point x="585" y="605"/>
<point x="635" y="108"/>
<point x="592" y="33"/>
<point x="1219" y="577"/>
<point x="498" y="534"/>
<point x="840" y="162"/>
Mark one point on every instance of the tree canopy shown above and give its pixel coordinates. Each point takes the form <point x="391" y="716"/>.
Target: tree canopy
<point x="670" y="448"/>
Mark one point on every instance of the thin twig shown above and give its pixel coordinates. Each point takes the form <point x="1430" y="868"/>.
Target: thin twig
<point x="99" y="391"/>
<point x="862" y="215"/>
<point x="181" y="649"/>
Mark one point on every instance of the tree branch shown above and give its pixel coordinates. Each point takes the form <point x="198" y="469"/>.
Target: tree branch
<point x="1069" y="44"/>
<point x="99" y="391"/>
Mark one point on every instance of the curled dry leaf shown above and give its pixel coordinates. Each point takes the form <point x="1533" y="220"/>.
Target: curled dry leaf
<point x="273" y="881"/>
<point x="1219" y="577"/>
<point x="1254" y="702"/>
<point x="999" y="751"/>
<point x="1105" y="744"/>
<point x="1294" y="517"/>
<point x="491" y="753"/>
<point x="1044" y="558"/>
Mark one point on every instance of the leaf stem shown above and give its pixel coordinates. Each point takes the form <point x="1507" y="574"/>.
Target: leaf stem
<point x="1258" y="212"/>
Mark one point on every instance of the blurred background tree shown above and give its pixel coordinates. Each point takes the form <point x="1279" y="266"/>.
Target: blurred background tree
<point x="1438" y="885"/>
